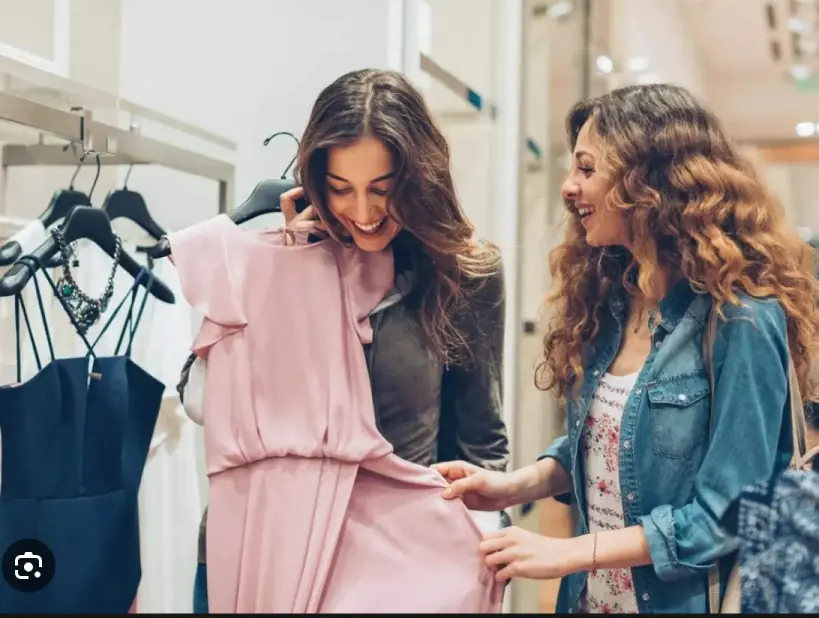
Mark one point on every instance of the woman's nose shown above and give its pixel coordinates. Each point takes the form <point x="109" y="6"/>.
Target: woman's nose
<point x="570" y="189"/>
<point x="363" y="208"/>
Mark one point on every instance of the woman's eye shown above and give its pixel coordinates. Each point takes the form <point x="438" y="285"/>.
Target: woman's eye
<point x="337" y="191"/>
<point x="379" y="192"/>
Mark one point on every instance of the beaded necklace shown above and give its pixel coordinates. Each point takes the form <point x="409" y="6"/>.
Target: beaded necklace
<point x="85" y="310"/>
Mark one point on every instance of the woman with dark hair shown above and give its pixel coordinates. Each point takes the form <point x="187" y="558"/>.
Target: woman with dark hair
<point x="375" y="169"/>
<point x="667" y="223"/>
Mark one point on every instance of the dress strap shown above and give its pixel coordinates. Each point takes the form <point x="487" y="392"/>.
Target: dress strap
<point x="133" y="323"/>
<point x="19" y="303"/>
<point x="130" y="324"/>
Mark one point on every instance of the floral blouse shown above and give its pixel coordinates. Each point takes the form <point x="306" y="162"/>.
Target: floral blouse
<point x="612" y="591"/>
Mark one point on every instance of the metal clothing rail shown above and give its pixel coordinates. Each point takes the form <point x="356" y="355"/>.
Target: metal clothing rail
<point x="114" y="145"/>
<point x="477" y="101"/>
<point x="460" y="88"/>
<point x="73" y="93"/>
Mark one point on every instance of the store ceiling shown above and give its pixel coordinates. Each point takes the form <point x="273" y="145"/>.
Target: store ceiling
<point x="761" y="64"/>
<point x="733" y="35"/>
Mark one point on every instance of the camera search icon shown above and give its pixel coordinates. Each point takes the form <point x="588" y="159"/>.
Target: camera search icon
<point x="28" y="565"/>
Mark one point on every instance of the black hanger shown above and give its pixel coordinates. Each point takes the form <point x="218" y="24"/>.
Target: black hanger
<point x="264" y="199"/>
<point x="62" y="203"/>
<point x="83" y="222"/>
<point x="126" y="204"/>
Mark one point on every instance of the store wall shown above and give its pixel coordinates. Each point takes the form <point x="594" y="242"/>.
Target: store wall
<point x="761" y="107"/>
<point x="94" y="37"/>
<point x="244" y="70"/>
<point x="795" y="184"/>
<point x="466" y="45"/>
<point x="797" y="187"/>
<point x="659" y="33"/>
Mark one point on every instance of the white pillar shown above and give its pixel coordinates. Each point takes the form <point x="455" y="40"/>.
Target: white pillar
<point x="507" y="202"/>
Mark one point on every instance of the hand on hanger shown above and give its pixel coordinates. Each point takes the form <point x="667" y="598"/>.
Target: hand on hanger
<point x="266" y="196"/>
<point x="295" y="218"/>
<point x="264" y="199"/>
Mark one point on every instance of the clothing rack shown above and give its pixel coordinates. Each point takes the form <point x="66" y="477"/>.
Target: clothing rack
<point x="115" y="146"/>
<point x="480" y="104"/>
<point x="476" y="100"/>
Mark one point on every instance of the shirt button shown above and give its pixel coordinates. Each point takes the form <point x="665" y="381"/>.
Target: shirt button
<point x="645" y="596"/>
<point x="658" y="344"/>
<point x="596" y="372"/>
<point x="682" y="397"/>
<point x="577" y="423"/>
<point x="627" y="444"/>
<point x="630" y="497"/>
<point x="639" y="391"/>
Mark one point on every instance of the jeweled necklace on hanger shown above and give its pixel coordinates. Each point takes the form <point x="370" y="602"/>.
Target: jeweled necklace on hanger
<point x="85" y="310"/>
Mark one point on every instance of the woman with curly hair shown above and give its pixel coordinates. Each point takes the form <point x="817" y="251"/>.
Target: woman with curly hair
<point x="667" y="222"/>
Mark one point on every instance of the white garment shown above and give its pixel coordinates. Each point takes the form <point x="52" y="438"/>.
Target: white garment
<point x="170" y="497"/>
<point x="610" y="591"/>
<point x="29" y="237"/>
<point x="194" y="392"/>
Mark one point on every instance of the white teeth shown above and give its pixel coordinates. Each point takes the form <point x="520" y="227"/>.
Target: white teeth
<point x="585" y="211"/>
<point x="369" y="227"/>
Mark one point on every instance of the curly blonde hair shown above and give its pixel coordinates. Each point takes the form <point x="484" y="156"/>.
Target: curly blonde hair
<point x="694" y="207"/>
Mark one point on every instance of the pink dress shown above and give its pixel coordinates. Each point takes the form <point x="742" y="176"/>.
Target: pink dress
<point x="310" y="511"/>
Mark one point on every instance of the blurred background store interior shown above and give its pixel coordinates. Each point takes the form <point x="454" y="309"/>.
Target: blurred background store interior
<point x="215" y="78"/>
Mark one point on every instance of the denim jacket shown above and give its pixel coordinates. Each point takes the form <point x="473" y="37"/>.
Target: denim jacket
<point x="678" y="482"/>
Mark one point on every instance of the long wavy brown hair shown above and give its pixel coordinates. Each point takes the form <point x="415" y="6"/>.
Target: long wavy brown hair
<point x="694" y="208"/>
<point x="436" y="238"/>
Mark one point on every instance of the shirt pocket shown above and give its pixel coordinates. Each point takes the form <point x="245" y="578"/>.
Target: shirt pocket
<point x="679" y="408"/>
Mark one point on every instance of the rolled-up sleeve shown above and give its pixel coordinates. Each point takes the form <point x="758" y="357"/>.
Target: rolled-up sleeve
<point x="560" y="451"/>
<point x="749" y="403"/>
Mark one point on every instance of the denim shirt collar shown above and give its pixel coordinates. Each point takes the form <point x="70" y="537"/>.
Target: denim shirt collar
<point x="672" y="308"/>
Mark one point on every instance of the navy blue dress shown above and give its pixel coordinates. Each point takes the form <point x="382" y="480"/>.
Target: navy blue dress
<point x="75" y="438"/>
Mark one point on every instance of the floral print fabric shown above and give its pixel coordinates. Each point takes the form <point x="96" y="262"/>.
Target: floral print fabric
<point x="612" y="591"/>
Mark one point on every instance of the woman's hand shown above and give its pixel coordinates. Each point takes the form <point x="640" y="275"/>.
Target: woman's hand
<point x="294" y="220"/>
<point x="480" y="490"/>
<point x="514" y="552"/>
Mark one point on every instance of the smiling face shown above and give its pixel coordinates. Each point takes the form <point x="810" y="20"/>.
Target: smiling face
<point x="359" y="178"/>
<point x="584" y="193"/>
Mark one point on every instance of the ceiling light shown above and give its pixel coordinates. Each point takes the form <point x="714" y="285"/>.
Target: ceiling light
<point x="799" y="26"/>
<point x="799" y="72"/>
<point x="805" y="129"/>
<point x="560" y="9"/>
<point x="605" y="64"/>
